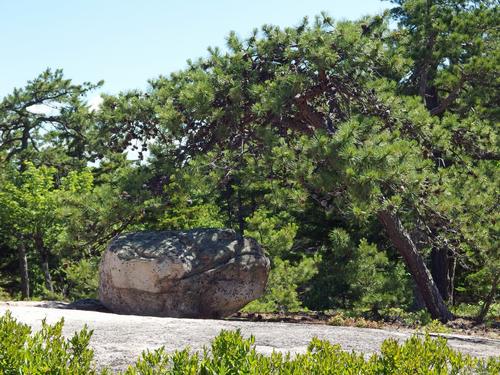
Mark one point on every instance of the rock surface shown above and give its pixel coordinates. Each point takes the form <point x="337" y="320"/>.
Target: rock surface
<point x="201" y="273"/>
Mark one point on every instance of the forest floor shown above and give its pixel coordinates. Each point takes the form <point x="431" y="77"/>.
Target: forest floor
<point x="119" y="339"/>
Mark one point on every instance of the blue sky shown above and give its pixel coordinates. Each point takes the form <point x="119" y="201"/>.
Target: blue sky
<point x="127" y="42"/>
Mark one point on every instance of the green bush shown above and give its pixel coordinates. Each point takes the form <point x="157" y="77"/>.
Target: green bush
<point x="415" y="319"/>
<point x="43" y="352"/>
<point x="230" y="353"/>
<point x="276" y="233"/>
<point x="467" y="310"/>
<point x="435" y="326"/>
<point x="47" y="352"/>
<point x="281" y="292"/>
<point x="82" y="279"/>
<point x="354" y="274"/>
<point x="4" y="296"/>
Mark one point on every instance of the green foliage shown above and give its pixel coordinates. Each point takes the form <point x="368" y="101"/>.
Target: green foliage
<point x="467" y="310"/>
<point x="186" y="206"/>
<point x="82" y="279"/>
<point x="281" y="292"/>
<point x="48" y="122"/>
<point x="29" y="200"/>
<point x="30" y="204"/>
<point x="4" y="296"/>
<point x="230" y="353"/>
<point x="435" y="326"/>
<point x="65" y="221"/>
<point x="417" y="318"/>
<point x="45" y="351"/>
<point x="396" y="121"/>
<point x="451" y="47"/>
<point x="274" y="233"/>
<point x="420" y="319"/>
<point x="357" y="276"/>
<point x="420" y="356"/>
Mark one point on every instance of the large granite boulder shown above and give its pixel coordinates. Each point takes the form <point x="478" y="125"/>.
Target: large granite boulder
<point x="200" y="273"/>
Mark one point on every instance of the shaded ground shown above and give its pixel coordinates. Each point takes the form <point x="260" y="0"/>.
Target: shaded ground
<point x="119" y="339"/>
<point x="460" y="326"/>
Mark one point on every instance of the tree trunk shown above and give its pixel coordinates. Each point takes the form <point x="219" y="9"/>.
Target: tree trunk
<point x="227" y="194"/>
<point x="440" y="271"/>
<point x="44" y="262"/>
<point x="489" y="300"/>
<point x="46" y="272"/>
<point x="451" y="289"/>
<point x="402" y="241"/>
<point x="241" y="219"/>
<point x="418" y="302"/>
<point x="23" y="270"/>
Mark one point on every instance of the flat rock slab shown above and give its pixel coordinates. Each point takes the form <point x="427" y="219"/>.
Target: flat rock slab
<point x="119" y="339"/>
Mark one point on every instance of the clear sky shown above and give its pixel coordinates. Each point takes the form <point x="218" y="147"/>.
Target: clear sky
<point x="126" y="42"/>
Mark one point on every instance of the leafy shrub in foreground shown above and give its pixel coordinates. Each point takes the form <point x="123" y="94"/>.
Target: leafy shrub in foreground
<point x="43" y="352"/>
<point x="47" y="352"/>
<point x="232" y="354"/>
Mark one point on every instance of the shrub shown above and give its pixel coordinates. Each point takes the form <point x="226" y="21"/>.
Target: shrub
<point x="339" y="319"/>
<point x="354" y="274"/>
<point x="467" y="310"/>
<point x="435" y="326"/>
<point x="276" y="233"/>
<point x="230" y="353"/>
<point x="281" y="292"/>
<point x="46" y="351"/>
<point x="424" y="356"/>
<point x="4" y="296"/>
<point x="82" y="279"/>
<point x="417" y="318"/>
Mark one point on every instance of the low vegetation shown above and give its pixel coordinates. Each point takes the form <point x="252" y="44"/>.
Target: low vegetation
<point x="47" y="351"/>
<point x="43" y="352"/>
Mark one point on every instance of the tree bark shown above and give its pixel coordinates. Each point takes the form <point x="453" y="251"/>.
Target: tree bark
<point x="228" y="192"/>
<point x="489" y="300"/>
<point x="44" y="262"/>
<point x="453" y="268"/>
<point x="23" y="270"/>
<point x="402" y="241"/>
<point x="46" y="272"/>
<point x="241" y="219"/>
<point x="440" y="271"/>
<point x="418" y="303"/>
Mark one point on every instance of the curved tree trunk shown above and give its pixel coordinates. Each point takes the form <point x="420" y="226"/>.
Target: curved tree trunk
<point x="416" y="265"/>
